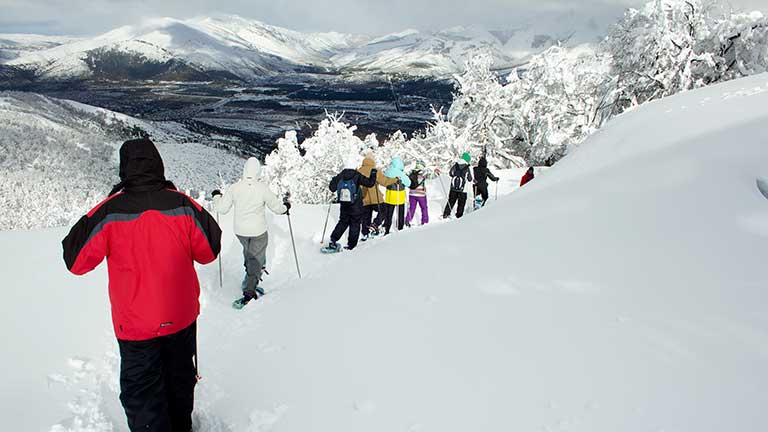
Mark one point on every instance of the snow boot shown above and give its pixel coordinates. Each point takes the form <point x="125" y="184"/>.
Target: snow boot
<point x="248" y="295"/>
<point x="331" y="248"/>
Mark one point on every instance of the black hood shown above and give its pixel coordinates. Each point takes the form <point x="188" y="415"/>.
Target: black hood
<point x="483" y="163"/>
<point x="348" y="173"/>
<point x="141" y="167"/>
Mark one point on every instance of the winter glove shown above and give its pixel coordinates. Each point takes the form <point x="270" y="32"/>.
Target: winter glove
<point x="287" y="202"/>
<point x="216" y="192"/>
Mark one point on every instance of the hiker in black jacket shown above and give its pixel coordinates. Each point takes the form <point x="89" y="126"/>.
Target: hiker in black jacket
<point x="482" y="175"/>
<point x="460" y="175"/>
<point x="348" y="187"/>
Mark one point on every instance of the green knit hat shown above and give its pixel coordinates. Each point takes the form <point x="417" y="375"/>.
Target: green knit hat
<point x="466" y="157"/>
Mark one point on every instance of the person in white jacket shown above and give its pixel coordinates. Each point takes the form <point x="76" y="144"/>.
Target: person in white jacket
<point x="249" y="196"/>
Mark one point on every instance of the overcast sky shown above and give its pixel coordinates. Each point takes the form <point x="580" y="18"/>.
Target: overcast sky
<point x="90" y="17"/>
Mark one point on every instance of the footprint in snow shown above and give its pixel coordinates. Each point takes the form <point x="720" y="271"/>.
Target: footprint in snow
<point x="261" y="421"/>
<point x="365" y="407"/>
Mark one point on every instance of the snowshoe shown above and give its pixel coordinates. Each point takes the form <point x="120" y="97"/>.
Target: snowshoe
<point x="247" y="297"/>
<point x="331" y="248"/>
<point x="364" y="237"/>
<point x="479" y="202"/>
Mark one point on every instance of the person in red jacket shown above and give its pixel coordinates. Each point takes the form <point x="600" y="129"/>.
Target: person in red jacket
<point x="151" y="235"/>
<point x="528" y="176"/>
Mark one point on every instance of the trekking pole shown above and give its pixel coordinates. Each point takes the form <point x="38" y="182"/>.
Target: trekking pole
<point x="442" y="186"/>
<point x="496" y="198"/>
<point x="325" y="227"/>
<point x="221" y="277"/>
<point x="293" y="241"/>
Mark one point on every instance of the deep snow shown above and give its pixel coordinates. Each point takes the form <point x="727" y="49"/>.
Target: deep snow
<point x="623" y="290"/>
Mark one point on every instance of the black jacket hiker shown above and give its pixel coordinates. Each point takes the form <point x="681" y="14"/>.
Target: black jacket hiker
<point x="482" y="175"/>
<point x="351" y="213"/>
<point x="461" y="174"/>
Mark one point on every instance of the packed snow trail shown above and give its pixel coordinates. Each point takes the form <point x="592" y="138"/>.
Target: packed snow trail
<point x="622" y="291"/>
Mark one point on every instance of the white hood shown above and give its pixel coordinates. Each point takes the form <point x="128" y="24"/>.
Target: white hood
<point x="252" y="169"/>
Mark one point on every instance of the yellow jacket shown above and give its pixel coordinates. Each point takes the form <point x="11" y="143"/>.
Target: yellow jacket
<point x="395" y="194"/>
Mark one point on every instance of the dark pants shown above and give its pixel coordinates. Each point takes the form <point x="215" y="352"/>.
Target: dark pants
<point x="368" y="220"/>
<point x="389" y="212"/>
<point x="351" y="221"/>
<point x="254" y="260"/>
<point x="157" y="381"/>
<point x="482" y="190"/>
<point x="454" y="196"/>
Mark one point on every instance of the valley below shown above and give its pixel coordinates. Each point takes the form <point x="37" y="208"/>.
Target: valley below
<point x="248" y="117"/>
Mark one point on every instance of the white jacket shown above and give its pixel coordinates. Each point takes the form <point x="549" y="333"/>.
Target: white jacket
<point x="249" y="196"/>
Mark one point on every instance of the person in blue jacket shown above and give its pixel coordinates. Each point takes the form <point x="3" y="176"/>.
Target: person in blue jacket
<point x="396" y="195"/>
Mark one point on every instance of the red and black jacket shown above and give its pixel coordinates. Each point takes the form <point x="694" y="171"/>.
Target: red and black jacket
<point x="151" y="236"/>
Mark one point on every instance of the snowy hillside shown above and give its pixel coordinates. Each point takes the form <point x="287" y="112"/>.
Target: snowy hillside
<point x="58" y="157"/>
<point x="439" y="53"/>
<point x="16" y="45"/>
<point x="624" y="290"/>
<point x="445" y="52"/>
<point x="231" y="46"/>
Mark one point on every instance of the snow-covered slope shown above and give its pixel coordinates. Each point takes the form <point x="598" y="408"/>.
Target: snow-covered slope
<point x="623" y="290"/>
<point x="15" y="45"/>
<point x="228" y="44"/>
<point x="58" y="156"/>
<point x="231" y="46"/>
<point x="413" y="52"/>
<point x="445" y="52"/>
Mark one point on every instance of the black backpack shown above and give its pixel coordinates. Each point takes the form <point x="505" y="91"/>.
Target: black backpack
<point x="459" y="178"/>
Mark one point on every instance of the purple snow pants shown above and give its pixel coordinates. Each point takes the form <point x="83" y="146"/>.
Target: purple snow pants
<point x="422" y="203"/>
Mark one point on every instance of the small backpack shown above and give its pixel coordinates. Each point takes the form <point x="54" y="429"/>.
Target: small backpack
<point x="414" y="177"/>
<point x="347" y="190"/>
<point x="459" y="180"/>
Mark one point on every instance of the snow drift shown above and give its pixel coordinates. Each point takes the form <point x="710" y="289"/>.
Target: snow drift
<point x="622" y="291"/>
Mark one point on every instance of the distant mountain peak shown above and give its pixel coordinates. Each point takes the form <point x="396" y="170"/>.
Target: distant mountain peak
<point x="231" y="45"/>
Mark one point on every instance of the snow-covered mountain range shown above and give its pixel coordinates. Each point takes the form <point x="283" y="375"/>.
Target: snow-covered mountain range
<point x="235" y="47"/>
<point x="13" y="46"/>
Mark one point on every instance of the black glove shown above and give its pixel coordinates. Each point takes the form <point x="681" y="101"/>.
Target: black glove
<point x="216" y="192"/>
<point x="287" y="202"/>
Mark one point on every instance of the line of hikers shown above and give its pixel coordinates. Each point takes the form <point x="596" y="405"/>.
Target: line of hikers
<point x="357" y="191"/>
<point x="151" y="236"/>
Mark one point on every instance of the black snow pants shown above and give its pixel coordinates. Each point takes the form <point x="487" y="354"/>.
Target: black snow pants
<point x="368" y="220"/>
<point x="157" y="381"/>
<point x="482" y="190"/>
<point x="348" y="220"/>
<point x="454" y="196"/>
<point x="389" y="210"/>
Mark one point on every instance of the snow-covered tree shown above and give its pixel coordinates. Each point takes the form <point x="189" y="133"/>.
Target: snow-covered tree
<point x="305" y="169"/>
